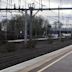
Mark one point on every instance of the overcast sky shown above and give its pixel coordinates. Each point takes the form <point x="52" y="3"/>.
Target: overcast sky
<point x="65" y="16"/>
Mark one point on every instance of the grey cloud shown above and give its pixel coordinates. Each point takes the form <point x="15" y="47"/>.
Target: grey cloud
<point x="62" y="1"/>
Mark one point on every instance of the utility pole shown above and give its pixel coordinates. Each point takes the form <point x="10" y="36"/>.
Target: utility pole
<point x="25" y="35"/>
<point x="31" y="12"/>
<point x="71" y="32"/>
<point x="59" y="24"/>
<point x="60" y="34"/>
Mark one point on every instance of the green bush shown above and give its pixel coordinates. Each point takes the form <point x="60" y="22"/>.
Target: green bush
<point x="62" y="39"/>
<point x="31" y="44"/>
<point x="2" y="38"/>
<point x="50" y="41"/>
<point x="10" y="47"/>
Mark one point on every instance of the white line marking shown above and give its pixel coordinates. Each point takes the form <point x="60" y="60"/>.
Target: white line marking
<point x="41" y="70"/>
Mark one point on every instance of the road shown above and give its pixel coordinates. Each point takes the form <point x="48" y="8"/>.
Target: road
<point x="39" y="39"/>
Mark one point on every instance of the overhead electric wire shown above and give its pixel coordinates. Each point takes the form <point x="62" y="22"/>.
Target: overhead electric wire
<point x="49" y="16"/>
<point x="4" y="2"/>
<point x="38" y="3"/>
